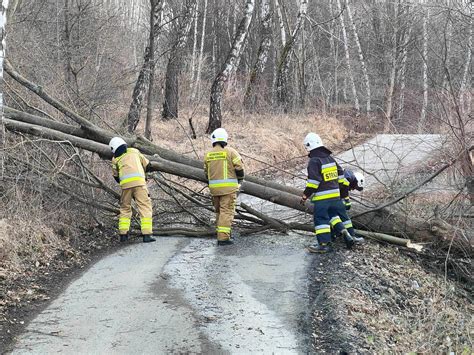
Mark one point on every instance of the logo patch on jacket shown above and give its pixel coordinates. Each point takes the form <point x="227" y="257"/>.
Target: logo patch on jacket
<point x="216" y="156"/>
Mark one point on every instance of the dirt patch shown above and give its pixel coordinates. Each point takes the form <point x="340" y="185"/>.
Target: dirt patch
<point x="24" y="294"/>
<point x="376" y="299"/>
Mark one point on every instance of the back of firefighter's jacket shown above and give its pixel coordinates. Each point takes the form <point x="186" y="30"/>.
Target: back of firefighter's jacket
<point x="130" y="168"/>
<point x="220" y="165"/>
<point x="324" y="177"/>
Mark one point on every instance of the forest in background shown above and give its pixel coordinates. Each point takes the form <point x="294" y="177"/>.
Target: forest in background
<point x="79" y="71"/>
<point x="403" y="64"/>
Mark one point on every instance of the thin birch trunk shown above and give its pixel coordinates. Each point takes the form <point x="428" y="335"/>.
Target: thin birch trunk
<point x="151" y="80"/>
<point x="447" y="41"/>
<point x="348" y="60"/>
<point x="334" y="51"/>
<point x="393" y="71"/>
<point x="361" y="56"/>
<point x="215" y="114"/>
<point x="3" y="36"/>
<point x="401" y="102"/>
<point x="173" y="69"/>
<point x="282" y="88"/>
<point x="251" y="95"/>
<point x="463" y="91"/>
<point x="197" y="83"/>
<point x="425" y="73"/>
<point x="281" y="23"/>
<point x="302" y="69"/>
<point x="193" y="56"/>
<point x="143" y="77"/>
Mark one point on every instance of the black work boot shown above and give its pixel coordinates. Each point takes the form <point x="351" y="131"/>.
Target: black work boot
<point x="123" y="237"/>
<point x="225" y="242"/>
<point x="320" y="248"/>
<point x="347" y="239"/>
<point x="148" y="239"/>
<point x="358" y="240"/>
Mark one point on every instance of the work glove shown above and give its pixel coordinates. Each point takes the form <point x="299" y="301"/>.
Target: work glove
<point x="303" y="200"/>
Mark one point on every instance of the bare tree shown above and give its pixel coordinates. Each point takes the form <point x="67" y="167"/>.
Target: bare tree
<point x="345" y="42"/>
<point x="215" y="114"/>
<point x="424" y="106"/>
<point x="170" y="105"/>
<point x="466" y="78"/>
<point x="282" y="84"/>
<point x="197" y="82"/>
<point x="394" y="66"/>
<point x="143" y="77"/>
<point x="361" y="55"/>
<point x="3" y="23"/>
<point x="250" y="98"/>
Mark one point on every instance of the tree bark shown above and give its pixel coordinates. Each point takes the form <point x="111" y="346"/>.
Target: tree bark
<point x="251" y="94"/>
<point x="197" y="83"/>
<point x="424" y="107"/>
<point x="361" y="56"/>
<point x="281" y="23"/>
<point x="144" y="75"/>
<point x="283" y="91"/>
<point x="173" y="69"/>
<point x="403" y="66"/>
<point x="3" y="23"/>
<point x="393" y="70"/>
<point x="151" y="74"/>
<point x="466" y="78"/>
<point x="345" y="41"/>
<point x="215" y="114"/>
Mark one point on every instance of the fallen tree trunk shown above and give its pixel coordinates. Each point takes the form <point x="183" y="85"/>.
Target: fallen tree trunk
<point x="140" y="143"/>
<point x="382" y="220"/>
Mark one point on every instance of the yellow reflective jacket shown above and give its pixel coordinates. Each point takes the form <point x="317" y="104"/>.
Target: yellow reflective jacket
<point x="130" y="168"/>
<point x="220" y="165"/>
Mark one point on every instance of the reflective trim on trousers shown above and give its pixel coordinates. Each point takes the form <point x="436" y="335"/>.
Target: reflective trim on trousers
<point x="322" y="228"/>
<point x="146" y="222"/>
<point x="343" y="181"/>
<point x="335" y="220"/>
<point x="124" y="223"/>
<point x="348" y="224"/>
<point x="220" y="229"/>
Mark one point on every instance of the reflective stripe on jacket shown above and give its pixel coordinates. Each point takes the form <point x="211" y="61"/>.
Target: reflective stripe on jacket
<point x="130" y="168"/>
<point x="324" y="176"/>
<point x="220" y="166"/>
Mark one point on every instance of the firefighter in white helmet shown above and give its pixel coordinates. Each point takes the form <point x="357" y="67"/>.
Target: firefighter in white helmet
<point x="225" y="172"/>
<point x="322" y="187"/>
<point x="129" y="167"/>
<point x="356" y="182"/>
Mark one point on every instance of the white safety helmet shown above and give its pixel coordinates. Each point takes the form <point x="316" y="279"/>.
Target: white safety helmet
<point x="219" y="135"/>
<point x="360" y="179"/>
<point x="115" y="143"/>
<point x="312" y="141"/>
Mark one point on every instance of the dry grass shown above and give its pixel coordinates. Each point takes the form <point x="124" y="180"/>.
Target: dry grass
<point x="26" y="242"/>
<point x="401" y="306"/>
<point x="270" y="138"/>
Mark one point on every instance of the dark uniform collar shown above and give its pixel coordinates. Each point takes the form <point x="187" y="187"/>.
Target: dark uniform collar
<point x="120" y="150"/>
<point x="321" y="152"/>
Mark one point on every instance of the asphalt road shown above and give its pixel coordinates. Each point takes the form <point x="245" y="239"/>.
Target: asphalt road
<point x="183" y="296"/>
